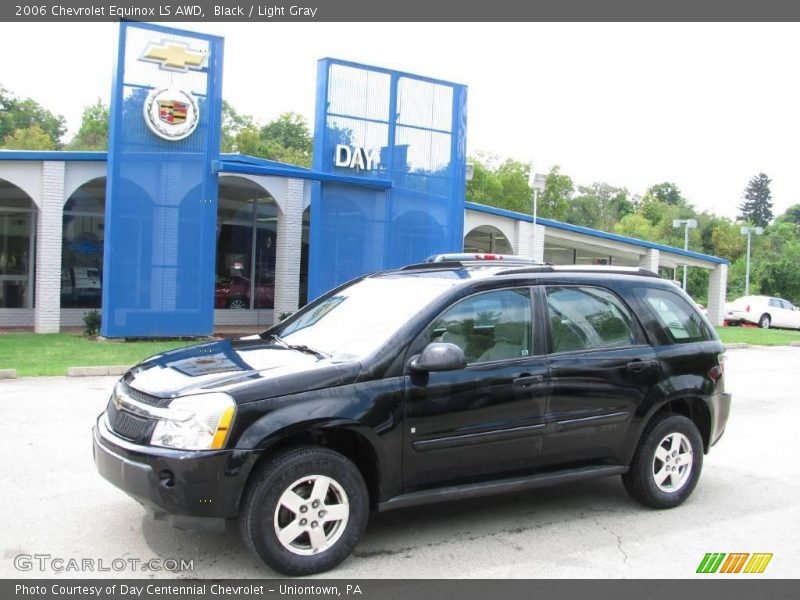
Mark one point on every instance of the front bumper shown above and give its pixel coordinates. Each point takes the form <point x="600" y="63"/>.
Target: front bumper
<point x="176" y="483"/>
<point x="720" y="406"/>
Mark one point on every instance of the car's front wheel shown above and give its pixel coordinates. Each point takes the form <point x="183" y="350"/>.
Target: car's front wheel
<point x="667" y="464"/>
<point x="305" y="510"/>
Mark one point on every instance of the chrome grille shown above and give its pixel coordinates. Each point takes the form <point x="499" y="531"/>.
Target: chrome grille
<point x="125" y="424"/>
<point x="145" y="398"/>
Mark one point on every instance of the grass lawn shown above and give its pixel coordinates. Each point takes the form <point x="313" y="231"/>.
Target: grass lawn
<point x="758" y="337"/>
<point x="52" y="353"/>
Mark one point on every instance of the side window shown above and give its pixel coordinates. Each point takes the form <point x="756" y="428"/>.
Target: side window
<point x="488" y="326"/>
<point x="787" y="305"/>
<point x="775" y="303"/>
<point x="681" y="322"/>
<point x="583" y="318"/>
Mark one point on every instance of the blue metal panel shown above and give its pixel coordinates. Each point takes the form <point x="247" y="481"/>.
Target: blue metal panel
<point x="414" y="130"/>
<point x="161" y="195"/>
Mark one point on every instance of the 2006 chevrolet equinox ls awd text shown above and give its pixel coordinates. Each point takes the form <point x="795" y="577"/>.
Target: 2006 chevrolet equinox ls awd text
<point x="438" y="381"/>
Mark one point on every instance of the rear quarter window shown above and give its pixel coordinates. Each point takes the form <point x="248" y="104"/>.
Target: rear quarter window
<point x="680" y="321"/>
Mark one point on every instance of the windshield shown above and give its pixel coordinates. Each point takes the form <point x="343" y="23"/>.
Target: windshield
<point x="359" y="319"/>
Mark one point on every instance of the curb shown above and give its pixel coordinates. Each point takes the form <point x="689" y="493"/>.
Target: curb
<point x="796" y="344"/>
<point x="8" y="373"/>
<point x="736" y="346"/>
<point x="97" y="371"/>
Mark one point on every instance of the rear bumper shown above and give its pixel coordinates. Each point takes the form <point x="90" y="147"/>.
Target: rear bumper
<point x="720" y="406"/>
<point x="186" y="487"/>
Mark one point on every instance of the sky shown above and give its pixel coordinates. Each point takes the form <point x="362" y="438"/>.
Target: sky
<point x="706" y="106"/>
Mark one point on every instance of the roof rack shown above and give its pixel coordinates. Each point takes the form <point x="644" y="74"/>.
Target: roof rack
<point x="481" y="257"/>
<point x="605" y="269"/>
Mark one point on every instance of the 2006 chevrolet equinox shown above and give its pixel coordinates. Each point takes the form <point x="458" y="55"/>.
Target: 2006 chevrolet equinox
<point x="434" y="382"/>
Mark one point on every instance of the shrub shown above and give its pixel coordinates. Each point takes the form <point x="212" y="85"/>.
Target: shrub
<point x="91" y="323"/>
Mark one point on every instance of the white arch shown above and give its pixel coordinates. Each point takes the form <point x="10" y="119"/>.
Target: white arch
<point x="26" y="175"/>
<point x="78" y="173"/>
<point x="492" y="230"/>
<point x="274" y="186"/>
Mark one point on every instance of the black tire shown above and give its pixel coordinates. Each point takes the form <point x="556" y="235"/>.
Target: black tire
<point x="261" y="514"/>
<point x="764" y="322"/>
<point x="640" y="480"/>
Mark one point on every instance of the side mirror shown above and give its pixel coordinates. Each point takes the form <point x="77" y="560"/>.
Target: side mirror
<point x="439" y="356"/>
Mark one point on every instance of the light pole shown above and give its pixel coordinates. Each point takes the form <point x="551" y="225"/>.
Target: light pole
<point x="537" y="182"/>
<point x="688" y="224"/>
<point x="748" y="231"/>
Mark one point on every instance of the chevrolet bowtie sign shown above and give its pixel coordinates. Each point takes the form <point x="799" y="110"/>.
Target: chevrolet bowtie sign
<point x="356" y="157"/>
<point x="174" y="56"/>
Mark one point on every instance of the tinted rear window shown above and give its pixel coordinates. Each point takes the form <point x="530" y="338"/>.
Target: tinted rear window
<point x="681" y="322"/>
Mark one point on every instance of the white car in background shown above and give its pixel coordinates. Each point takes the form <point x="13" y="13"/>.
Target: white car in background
<point x="764" y="311"/>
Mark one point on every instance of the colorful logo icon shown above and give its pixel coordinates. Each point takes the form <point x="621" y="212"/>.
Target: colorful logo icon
<point x="172" y="111"/>
<point x="735" y="562"/>
<point x="172" y="114"/>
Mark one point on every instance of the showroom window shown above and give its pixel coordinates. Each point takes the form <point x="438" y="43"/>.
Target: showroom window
<point x="487" y="239"/>
<point x="247" y="222"/>
<point x="82" y="246"/>
<point x="17" y="243"/>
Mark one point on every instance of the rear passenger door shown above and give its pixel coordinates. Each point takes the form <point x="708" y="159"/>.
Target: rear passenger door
<point x="600" y="369"/>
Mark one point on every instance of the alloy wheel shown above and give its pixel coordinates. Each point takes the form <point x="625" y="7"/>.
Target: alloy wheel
<point x="311" y="515"/>
<point x="672" y="462"/>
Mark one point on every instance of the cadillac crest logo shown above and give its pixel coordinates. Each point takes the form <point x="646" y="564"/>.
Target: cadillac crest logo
<point x="171" y="114"/>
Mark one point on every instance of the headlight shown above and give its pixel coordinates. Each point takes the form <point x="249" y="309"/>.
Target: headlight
<point x="198" y="422"/>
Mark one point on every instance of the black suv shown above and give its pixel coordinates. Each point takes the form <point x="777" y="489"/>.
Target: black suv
<point x="434" y="382"/>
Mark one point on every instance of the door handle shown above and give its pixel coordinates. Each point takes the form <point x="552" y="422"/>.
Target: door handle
<point x="637" y="366"/>
<point x="526" y="381"/>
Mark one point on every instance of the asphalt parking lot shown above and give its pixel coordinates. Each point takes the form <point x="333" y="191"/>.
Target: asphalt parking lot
<point x="748" y="500"/>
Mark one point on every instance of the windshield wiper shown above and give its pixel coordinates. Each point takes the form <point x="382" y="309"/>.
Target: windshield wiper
<point x="307" y="350"/>
<point x="277" y="338"/>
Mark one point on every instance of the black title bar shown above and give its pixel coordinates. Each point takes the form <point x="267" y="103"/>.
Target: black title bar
<point x="399" y="10"/>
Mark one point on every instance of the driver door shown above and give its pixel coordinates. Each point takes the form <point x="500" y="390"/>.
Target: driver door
<point x="486" y="420"/>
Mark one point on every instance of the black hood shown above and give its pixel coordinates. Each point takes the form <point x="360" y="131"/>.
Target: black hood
<point x="247" y="368"/>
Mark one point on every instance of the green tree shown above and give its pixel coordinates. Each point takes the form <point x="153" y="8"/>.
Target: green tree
<point x="635" y="225"/>
<point x="666" y="192"/>
<point x="517" y="194"/>
<point x="26" y="114"/>
<point x="757" y="205"/>
<point x="93" y="134"/>
<point x="554" y="202"/>
<point x="30" y="138"/>
<point x="232" y="124"/>
<point x="484" y="187"/>
<point x="286" y="139"/>
<point x="792" y="215"/>
<point x="612" y="202"/>
<point x="585" y="211"/>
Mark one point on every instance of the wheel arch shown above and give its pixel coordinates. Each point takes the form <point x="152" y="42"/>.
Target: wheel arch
<point x="693" y="407"/>
<point x="347" y="438"/>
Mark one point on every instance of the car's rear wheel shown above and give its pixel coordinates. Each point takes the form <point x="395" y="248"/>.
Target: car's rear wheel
<point x="667" y="464"/>
<point x="239" y="302"/>
<point x="764" y="322"/>
<point x="305" y="511"/>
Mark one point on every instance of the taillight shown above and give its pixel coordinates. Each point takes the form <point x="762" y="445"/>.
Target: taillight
<point x="747" y="309"/>
<point x="717" y="371"/>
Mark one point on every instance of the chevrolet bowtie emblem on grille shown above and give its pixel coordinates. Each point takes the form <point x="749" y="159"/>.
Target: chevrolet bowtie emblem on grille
<point x="171" y="55"/>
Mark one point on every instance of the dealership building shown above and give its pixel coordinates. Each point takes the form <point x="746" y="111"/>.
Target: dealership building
<point x="168" y="237"/>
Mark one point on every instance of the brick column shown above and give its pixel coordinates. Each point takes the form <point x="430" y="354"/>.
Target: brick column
<point x="47" y="313"/>
<point x="523" y="245"/>
<point x="717" y="290"/>
<point x="287" y="250"/>
<point x="538" y="242"/>
<point x="650" y="260"/>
